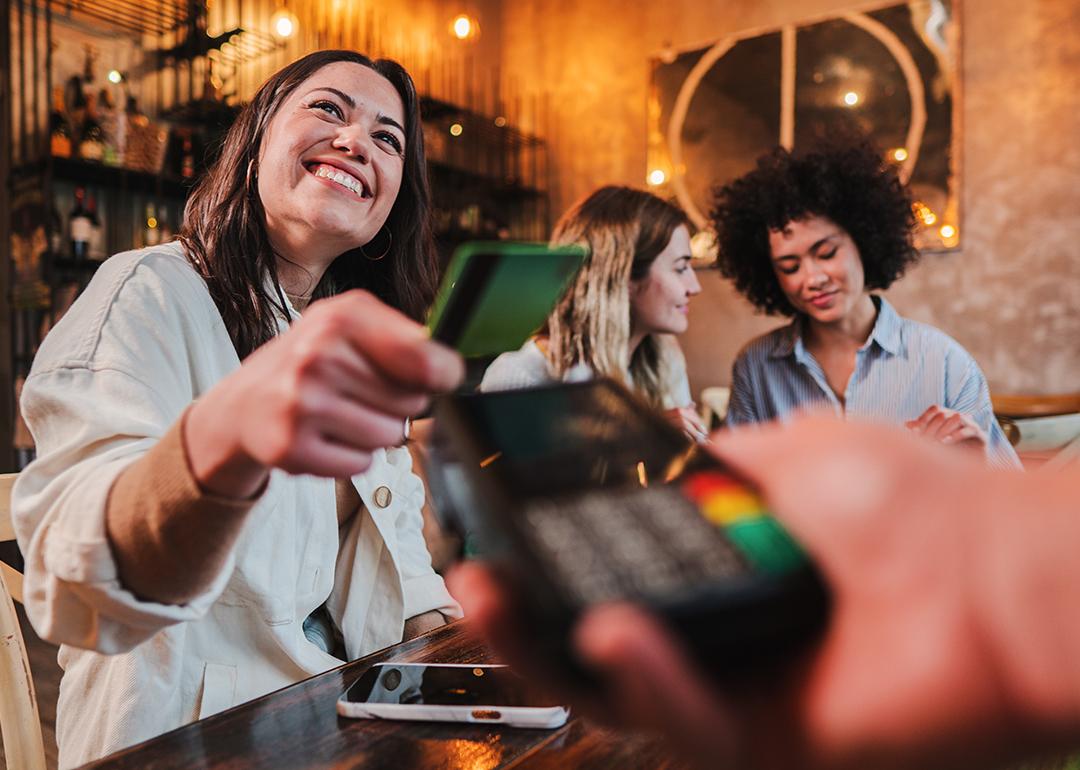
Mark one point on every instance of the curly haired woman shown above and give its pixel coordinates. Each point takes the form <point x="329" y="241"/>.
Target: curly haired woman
<point x="810" y="237"/>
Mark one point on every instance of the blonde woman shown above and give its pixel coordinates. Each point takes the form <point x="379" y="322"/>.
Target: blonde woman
<point x="618" y="317"/>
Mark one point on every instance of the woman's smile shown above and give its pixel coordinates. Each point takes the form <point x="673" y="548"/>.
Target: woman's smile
<point x="824" y="300"/>
<point x="340" y="178"/>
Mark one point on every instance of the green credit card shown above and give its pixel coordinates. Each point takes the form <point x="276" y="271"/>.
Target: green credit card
<point x="496" y="294"/>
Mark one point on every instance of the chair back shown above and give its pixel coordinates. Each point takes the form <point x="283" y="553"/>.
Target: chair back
<point x="20" y="725"/>
<point x="1044" y="428"/>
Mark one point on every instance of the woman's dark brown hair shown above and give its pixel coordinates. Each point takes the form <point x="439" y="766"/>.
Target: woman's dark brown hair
<point x="224" y="231"/>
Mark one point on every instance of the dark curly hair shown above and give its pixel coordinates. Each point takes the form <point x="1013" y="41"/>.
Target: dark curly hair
<point x="846" y="182"/>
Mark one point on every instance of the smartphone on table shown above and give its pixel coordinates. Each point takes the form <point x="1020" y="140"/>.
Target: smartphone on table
<point x="495" y="294"/>
<point x="586" y="495"/>
<point x="450" y="693"/>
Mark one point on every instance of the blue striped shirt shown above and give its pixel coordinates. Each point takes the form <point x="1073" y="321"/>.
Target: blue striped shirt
<point x="904" y="368"/>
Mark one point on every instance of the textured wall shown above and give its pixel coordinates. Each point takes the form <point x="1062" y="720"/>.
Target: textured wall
<point x="1011" y="295"/>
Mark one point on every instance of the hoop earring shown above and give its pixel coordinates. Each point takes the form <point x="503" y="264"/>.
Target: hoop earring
<point x="389" y="243"/>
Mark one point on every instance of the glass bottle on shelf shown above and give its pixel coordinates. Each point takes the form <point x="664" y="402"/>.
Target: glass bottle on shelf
<point x="81" y="227"/>
<point x="165" y="232"/>
<point x="187" y="161"/>
<point x="96" y="248"/>
<point x="91" y="136"/>
<point x="59" y="130"/>
<point x="75" y="99"/>
<point x="55" y="228"/>
<point x="151" y="233"/>
<point x="107" y="118"/>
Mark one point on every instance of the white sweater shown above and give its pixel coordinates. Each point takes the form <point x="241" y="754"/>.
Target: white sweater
<point x="528" y="367"/>
<point x="142" y="342"/>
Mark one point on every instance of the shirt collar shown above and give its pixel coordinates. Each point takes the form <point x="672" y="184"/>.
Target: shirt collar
<point x="887" y="328"/>
<point x="886" y="333"/>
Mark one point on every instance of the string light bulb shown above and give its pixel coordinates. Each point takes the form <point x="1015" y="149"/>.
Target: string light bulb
<point x="283" y="24"/>
<point x="464" y="27"/>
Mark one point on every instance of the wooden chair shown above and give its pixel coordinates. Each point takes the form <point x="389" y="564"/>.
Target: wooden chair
<point x="1044" y="429"/>
<point x="20" y="725"/>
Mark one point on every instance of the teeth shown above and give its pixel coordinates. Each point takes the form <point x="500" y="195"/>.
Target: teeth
<point x="345" y="180"/>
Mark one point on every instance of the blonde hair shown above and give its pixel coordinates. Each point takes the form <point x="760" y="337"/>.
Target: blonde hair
<point x="624" y="229"/>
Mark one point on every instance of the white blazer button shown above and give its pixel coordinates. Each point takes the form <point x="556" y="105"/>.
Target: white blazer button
<point x="383" y="496"/>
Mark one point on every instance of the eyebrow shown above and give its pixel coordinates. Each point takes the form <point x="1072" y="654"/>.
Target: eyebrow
<point x="817" y="245"/>
<point x="383" y="119"/>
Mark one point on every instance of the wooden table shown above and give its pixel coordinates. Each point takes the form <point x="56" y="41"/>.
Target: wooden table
<point x="298" y="727"/>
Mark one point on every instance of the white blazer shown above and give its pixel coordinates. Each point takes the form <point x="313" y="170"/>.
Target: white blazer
<point x="142" y="342"/>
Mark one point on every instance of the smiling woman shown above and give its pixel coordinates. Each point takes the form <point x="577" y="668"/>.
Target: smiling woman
<point x="331" y="166"/>
<point x="619" y="316"/>
<point x="221" y="504"/>
<point x="810" y="237"/>
<point x="267" y="206"/>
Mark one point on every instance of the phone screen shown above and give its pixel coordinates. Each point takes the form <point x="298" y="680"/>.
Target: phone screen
<point x="442" y="685"/>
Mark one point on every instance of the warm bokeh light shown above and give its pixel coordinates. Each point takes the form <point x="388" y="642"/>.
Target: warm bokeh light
<point x="924" y="213"/>
<point x="947" y="231"/>
<point x="657" y="176"/>
<point x="283" y="23"/>
<point x="115" y="76"/>
<point x="900" y="154"/>
<point x="851" y="98"/>
<point x="703" y="246"/>
<point x="455" y="129"/>
<point x="462" y="27"/>
<point x="500" y="122"/>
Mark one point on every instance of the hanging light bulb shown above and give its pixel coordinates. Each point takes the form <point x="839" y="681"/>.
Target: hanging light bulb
<point x="464" y="27"/>
<point x="283" y="24"/>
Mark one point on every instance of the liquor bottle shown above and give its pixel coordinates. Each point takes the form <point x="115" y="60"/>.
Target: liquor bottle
<point x="91" y="137"/>
<point x="165" y="232"/>
<point x="187" y="159"/>
<point x="59" y="131"/>
<point x="75" y="99"/>
<point x="55" y="227"/>
<point x="151" y="234"/>
<point x="96" y="247"/>
<point x="81" y="227"/>
<point x="107" y="118"/>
